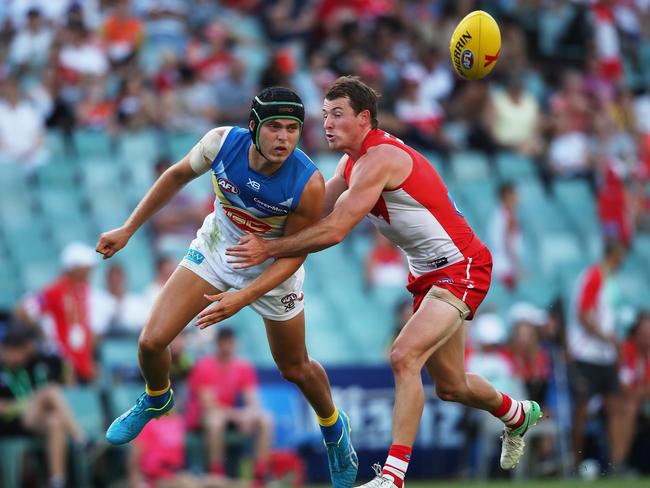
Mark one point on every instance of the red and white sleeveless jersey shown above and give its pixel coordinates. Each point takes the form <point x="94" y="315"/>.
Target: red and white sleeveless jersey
<point x="420" y="216"/>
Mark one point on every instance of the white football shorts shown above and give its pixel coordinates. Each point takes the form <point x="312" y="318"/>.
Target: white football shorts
<point x="282" y="303"/>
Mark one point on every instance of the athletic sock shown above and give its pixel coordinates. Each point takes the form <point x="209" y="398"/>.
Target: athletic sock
<point x="510" y="412"/>
<point x="158" y="398"/>
<point x="396" y="464"/>
<point x="331" y="427"/>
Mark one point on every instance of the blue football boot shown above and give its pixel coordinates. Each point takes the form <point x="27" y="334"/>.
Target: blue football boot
<point x="342" y="458"/>
<point x="128" y="426"/>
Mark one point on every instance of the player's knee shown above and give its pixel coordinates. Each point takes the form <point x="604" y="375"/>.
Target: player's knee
<point x="151" y="344"/>
<point x="296" y="373"/>
<point x="402" y="361"/>
<point x="450" y="392"/>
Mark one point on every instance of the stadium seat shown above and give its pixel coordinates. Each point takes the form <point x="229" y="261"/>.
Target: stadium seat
<point x="57" y="175"/>
<point x="558" y="250"/>
<point x="122" y="396"/>
<point x="577" y="202"/>
<point x="179" y="144"/>
<point x="632" y="283"/>
<point x="326" y="332"/>
<point x="13" y="182"/>
<point x="540" y="215"/>
<point x="92" y="143"/>
<point x="86" y="406"/>
<point x="478" y="200"/>
<point x="467" y="166"/>
<point x="37" y="274"/>
<point x="101" y="174"/>
<point x="15" y="210"/>
<point x="59" y="205"/>
<point x="641" y="248"/>
<point x="139" y="148"/>
<point x="119" y="359"/>
<point x="537" y="290"/>
<point x="74" y="228"/>
<point x="515" y="167"/>
<point x="9" y="285"/>
<point x="140" y="177"/>
<point x="437" y="161"/>
<point x="12" y="453"/>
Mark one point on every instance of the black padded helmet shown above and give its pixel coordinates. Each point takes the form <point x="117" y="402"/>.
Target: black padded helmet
<point x="276" y="102"/>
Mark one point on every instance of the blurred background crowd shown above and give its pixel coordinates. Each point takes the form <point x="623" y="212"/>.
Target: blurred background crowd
<point x="548" y="159"/>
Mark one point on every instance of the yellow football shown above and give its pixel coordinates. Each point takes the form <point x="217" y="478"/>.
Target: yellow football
<point x="475" y="45"/>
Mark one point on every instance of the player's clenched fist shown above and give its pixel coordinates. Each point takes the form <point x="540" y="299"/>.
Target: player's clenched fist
<point x="112" y="241"/>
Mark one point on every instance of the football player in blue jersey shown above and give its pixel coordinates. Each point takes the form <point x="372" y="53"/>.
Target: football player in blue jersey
<point x="266" y="186"/>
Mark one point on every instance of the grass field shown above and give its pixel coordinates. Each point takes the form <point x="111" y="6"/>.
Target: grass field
<point x="600" y="483"/>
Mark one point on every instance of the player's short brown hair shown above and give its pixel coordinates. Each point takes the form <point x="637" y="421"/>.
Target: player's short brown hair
<point x="361" y="96"/>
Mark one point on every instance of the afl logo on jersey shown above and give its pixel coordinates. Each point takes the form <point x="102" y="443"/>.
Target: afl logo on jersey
<point x="246" y="221"/>
<point x="227" y="186"/>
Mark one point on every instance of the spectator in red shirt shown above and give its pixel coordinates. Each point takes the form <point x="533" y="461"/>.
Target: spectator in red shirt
<point x="634" y="375"/>
<point x="223" y="392"/>
<point x="65" y="304"/>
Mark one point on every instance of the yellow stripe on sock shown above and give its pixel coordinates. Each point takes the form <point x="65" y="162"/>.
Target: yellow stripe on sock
<point x="329" y="421"/>
<point x="157" y="392"/>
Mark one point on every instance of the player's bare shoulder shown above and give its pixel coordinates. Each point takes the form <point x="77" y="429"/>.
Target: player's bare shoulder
<point x="389" y="160"/>
<point x="204" y="152"/>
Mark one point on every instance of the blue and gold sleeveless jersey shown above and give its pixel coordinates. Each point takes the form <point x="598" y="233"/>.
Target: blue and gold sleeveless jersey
<point x="250" y="202"/>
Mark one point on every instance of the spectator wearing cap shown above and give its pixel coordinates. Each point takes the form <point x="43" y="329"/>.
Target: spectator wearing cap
<point x="31" y="403"/>
<point x="63" y="309"/>
<point x="223" y="392"/>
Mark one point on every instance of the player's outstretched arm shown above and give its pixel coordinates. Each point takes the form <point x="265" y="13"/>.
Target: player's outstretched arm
<point x="308" y="211"/>
<point x="195" y="163"/>
<point x="369" y="177"/>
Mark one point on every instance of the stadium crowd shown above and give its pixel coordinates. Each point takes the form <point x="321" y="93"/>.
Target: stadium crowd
<point x="570" y="94"/>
